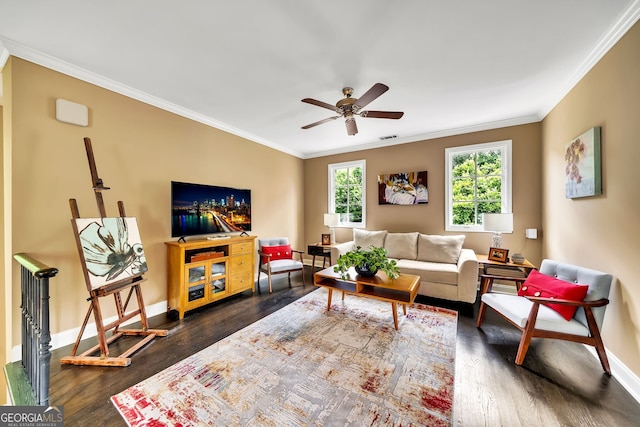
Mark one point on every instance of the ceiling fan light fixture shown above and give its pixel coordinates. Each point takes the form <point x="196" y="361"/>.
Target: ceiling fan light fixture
<point x="348" y="107"/>
<point x="352" y="128"/>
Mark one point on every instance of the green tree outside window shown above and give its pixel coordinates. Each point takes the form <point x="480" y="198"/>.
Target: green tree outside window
<point x="477" y="182"/>
<point x="348" y="187"/>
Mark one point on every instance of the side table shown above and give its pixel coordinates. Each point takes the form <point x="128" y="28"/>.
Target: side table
<point x="494" y="270"/>
<point x="318" y="249"/>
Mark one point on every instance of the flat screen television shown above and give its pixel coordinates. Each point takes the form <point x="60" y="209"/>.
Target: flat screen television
<point x="198" y="209"/>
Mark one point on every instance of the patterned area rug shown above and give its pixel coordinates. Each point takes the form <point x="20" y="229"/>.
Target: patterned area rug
<point x="304" y="366"/>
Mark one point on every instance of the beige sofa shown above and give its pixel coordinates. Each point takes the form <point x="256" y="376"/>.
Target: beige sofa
<point x="446" y="270"/>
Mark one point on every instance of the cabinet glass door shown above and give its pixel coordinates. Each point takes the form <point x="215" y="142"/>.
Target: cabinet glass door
<point x="218" y="277"/>
<point x="195" y="280"/>
<point x="218" y="285"/>
<point x="196" y="274"/>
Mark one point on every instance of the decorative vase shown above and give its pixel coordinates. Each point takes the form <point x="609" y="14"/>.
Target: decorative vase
<point x="365" y="271"/>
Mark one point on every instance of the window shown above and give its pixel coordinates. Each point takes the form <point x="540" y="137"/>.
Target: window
<point x="478" y="181"/>
<point x="347" y="192"/>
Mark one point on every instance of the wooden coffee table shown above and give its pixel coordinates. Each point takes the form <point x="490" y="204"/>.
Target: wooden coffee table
<point x="402" y="290"/>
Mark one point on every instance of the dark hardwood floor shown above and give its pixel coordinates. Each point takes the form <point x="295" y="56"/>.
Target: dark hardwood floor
<point x="560" y="383"/>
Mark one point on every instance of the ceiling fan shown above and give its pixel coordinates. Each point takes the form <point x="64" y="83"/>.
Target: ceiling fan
<point x="349" y="107"/>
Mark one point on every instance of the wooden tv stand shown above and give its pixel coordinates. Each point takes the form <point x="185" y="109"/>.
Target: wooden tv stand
<point x="202" y="271"/>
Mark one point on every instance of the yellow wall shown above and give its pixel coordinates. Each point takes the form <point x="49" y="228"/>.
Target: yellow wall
<point x="601" y="232"/>
<point x="138" y="149"/>
<point x="430" y="156"/>
<point x="5" y="231"/>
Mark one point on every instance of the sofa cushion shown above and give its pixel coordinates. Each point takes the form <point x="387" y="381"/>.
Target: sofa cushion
<point x="436" y="272"/>
<point x="365" y="238"/>
<point x="402" y="245"/>
<point x="434" y="248"/>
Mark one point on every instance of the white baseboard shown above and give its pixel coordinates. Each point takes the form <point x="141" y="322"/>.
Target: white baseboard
<point x="67" y="337"/>
<point x="318" y="265"/>
<point x="620" y="371"/>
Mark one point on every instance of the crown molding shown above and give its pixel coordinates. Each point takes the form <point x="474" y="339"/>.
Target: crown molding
<point x="515" y="121"/>
<point x="4" y="55"/>
<point x="626" y="20"/>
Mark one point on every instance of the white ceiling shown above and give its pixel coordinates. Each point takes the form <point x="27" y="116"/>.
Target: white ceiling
<point x="243" y="66"/>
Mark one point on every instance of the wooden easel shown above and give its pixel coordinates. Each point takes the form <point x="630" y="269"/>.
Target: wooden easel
<point x="131" y="283"/>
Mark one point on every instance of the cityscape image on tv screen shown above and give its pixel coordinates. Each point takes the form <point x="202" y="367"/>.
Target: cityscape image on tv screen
<point x="198" y="209"/>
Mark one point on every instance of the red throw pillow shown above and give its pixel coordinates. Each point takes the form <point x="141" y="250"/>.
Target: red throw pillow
<point x="541" y="285"/>
<point x="276" y="252"/>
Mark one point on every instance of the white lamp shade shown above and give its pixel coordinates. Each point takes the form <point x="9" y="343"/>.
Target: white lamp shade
<point x="331" y="220"/>
<point x="498" y="222"/>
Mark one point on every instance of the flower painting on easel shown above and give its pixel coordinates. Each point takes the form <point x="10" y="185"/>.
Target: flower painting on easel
<point x="111" y="249"/>
<point x="582" y="165"/>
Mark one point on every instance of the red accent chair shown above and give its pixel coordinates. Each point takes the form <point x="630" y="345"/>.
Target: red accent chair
<point x="276" y="257"/>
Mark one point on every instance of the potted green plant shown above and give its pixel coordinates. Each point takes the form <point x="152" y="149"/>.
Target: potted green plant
<point x="367" y="262"/>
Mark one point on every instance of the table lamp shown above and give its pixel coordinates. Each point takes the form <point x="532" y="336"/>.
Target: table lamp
<point x="498" y="223"/>
<point x="331" y="220"/>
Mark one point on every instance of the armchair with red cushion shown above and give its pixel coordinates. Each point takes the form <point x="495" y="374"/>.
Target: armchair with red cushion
<point x="276" y="257"/>
<point x="561" y="301"/>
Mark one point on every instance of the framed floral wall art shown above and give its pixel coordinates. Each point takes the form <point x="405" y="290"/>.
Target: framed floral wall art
<point x="403" y="188"/>
<point x="110" y="248"/>
<point x="583" y="169"/>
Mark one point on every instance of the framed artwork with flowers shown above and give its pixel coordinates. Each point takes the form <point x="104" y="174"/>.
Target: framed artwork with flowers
<point x="583" y="168"/>
<point x="111" y="249"/>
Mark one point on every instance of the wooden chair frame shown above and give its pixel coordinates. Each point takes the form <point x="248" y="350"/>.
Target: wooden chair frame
<point x="268" y="268"/>
<point x="529" y="331"/>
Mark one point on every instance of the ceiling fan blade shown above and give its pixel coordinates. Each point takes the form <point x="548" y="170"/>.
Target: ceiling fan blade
<point x="352" y="129"/>
<point x="320" y="122"/>
<point x="375" y="91"/>
<point x="321" y="104"/>
<point x="382" y="114"/>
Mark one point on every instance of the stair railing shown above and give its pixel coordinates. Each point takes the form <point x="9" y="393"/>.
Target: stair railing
<point x="36" y="337"/>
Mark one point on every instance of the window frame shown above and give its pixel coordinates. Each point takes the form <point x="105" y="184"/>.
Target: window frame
<point x="506" y="176"/>
<point x="332" y="202"/>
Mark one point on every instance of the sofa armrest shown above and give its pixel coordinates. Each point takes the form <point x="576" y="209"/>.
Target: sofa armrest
<point x="467" y="275"/>
<point x="340" y="249"/>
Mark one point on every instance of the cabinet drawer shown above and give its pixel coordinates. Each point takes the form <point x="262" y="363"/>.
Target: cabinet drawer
<point x="241" y="280"/>
<point x="242" y="248"/>
<point x="240" y="263"/>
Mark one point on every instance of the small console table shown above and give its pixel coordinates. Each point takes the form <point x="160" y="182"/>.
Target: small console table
<point x="401" y="290"/>
<point x="318" y="249"/>
<point x="494" y="270"/>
